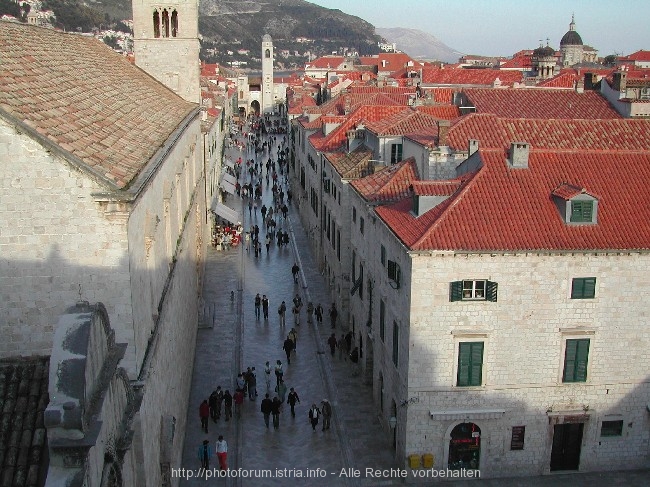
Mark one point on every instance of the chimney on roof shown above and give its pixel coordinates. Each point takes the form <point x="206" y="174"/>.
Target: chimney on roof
<point x="590" y="81"/>
<point x="443" y="132"/>
<point x="620" y="80"/>
<point x="580" y="85"/>
<point x="472" y="147"/>
<point x="348" y="105"/>
<point x="518" y="156"/>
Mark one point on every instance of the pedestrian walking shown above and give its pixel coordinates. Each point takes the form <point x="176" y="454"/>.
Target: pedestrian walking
<point x="294" y="271"/>
<point x="292" y="399"/>
<point x="282" y="311"/>
<point x="204" y="414"/>
<point x="319" y="313"/>
<point x="238" y="399"/>
<point x="263" y="211"/>
<point x="331" y="341"/>
<point x="241" y="381"/>
<point x="258" y="304"/>
<point x="287" y="346"/>
<point x="219" y="401"/>
<point x="326" y="409"/>
<point x="296" y="315"/>
<point x="333" y="315"/>
<point x="314" y="415"/>
<point x="267" y="241"/>
<point x="297" y="302"/>
<point x="205" y="452"/>
<point x="281" y="389"/>
<point x="212" y="402"/>
<point x="275" y="411"/>
<point x="222" y="453"/>
<point x="227" y="405"/>
<point x="265" y="307"/>
<point x="266" y="407"/>
<point x="267" y="376"/>
<point x="343" y="349"/>
<point x="293" y="336"/>
<point x="310" y="312"/>
<point x="279" y="372"/>
<point x="251" y="383"/>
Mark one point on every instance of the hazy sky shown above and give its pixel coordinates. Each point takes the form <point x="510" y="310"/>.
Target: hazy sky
<point x="503" y="27"/>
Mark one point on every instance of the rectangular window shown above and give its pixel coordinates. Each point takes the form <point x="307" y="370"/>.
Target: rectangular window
<point x="473" y="290"/>
<point x="338" y="245"/>
<point x="333" y="234"/>
<point x="576" y="357"/>
<point x="470" y="364"/>
<point x="354" y="266"/>
<point x="612" y="428"/>
<point x="302" y="177"/>
<point x="383" y="256"/>
<point x="361" y="224"/>
<point x="394" y="273"/>
<point x="583" y="288"/>
<point x="354" y="214"/>
<point x="382" y="320"/>
<point x="395" y="343"/>
<point x="395" y="153"/>
<point x="361" y="281"/>
<point x="582" y="211"/>
<point x="517" y="438"/>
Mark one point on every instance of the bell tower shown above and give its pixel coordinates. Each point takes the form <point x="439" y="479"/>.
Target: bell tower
<point x="166" y="43"/>
<point x="268" y="102"/>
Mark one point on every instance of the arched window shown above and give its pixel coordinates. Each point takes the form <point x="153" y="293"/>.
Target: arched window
<point x="156" y="24"/>
<point x="165" y="22"/>
<point x="174" y="23"/>
<point x="267" y="54"/>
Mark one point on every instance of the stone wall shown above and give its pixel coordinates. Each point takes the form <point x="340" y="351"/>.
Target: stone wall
<point x="57" y="246"/>
<point x="524" y="333"/>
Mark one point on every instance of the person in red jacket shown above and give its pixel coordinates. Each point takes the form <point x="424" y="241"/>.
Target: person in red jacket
<point x="204" y="413"/>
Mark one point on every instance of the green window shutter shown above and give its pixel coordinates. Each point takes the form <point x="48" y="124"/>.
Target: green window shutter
<point x="470" y="364"/>
<point x="583" y="288"/>
<point x="575" y="360"/>
<point x="491" y="292"/>
<point x="476" y="366"/>
<point x="582" y="211"/>
<point x="455" y="291"/>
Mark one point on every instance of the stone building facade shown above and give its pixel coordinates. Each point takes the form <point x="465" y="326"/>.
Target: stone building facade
<point x="105" y="202"/>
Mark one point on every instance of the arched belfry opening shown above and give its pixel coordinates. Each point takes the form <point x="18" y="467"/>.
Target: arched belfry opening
<point x="156" y="24"/>
<point x="165" y="23"/>
<point x="174" y="23"/>
<point x="267" y="54"/>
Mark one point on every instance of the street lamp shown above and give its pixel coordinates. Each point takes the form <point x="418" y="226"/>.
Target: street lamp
<point x="392" y="422"/>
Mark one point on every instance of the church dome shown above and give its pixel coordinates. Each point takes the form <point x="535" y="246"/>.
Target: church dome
<point x="571" y="38"/>
<point x="266" y="38"/>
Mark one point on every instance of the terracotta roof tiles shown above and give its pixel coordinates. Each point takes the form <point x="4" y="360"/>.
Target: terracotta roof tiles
<point x="388" y="184"/>
<point x="541" y="103"/>
<point x="89" y="100"/>
<point x="479" y="218"/>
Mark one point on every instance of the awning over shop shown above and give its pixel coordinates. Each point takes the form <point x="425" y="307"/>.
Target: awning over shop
<point x="229" y="178"/>
<point x="467" y="414"/>
<point x="227" y="186"/>
<point x="226" y="212"/>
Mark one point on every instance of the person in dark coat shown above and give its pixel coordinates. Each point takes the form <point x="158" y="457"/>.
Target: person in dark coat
<point x="288" y="348"/>
<point x="204" y="414"/>
<point x="275" y="411"/>
<point x="227" y="404"/>
<point x="267" y="408"/>
<point x="331" y="341"/>
<point x="314" y="414"/>
<point x="292" y="399"/>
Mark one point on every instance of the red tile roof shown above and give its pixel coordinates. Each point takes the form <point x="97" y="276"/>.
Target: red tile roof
<point x="567" y="191"/>
<point x="640" y="55"/>
<point x="604" y="135"/>
<point x="521" y="62"/>
<point x="443" y="112"/>
<point x="388" y="184"/>
<point x="325" y="62"/>
<point x="405" y="122"/>
<point x="393" y="61"/>
<point x="498" y="208"/>
<point x="351" y="165"/>
<point x="90" y="101"/>
<point x="538" y="103"/>
<point x="460" y="76"/>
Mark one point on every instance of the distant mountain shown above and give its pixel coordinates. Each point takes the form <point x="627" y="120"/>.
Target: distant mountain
<point x="419" y="44"/>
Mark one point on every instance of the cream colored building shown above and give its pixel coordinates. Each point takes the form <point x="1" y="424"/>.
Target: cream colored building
<point x="507" y="330"/>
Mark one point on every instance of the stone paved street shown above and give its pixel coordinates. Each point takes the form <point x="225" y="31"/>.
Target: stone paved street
<point x="238" y="340"/>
